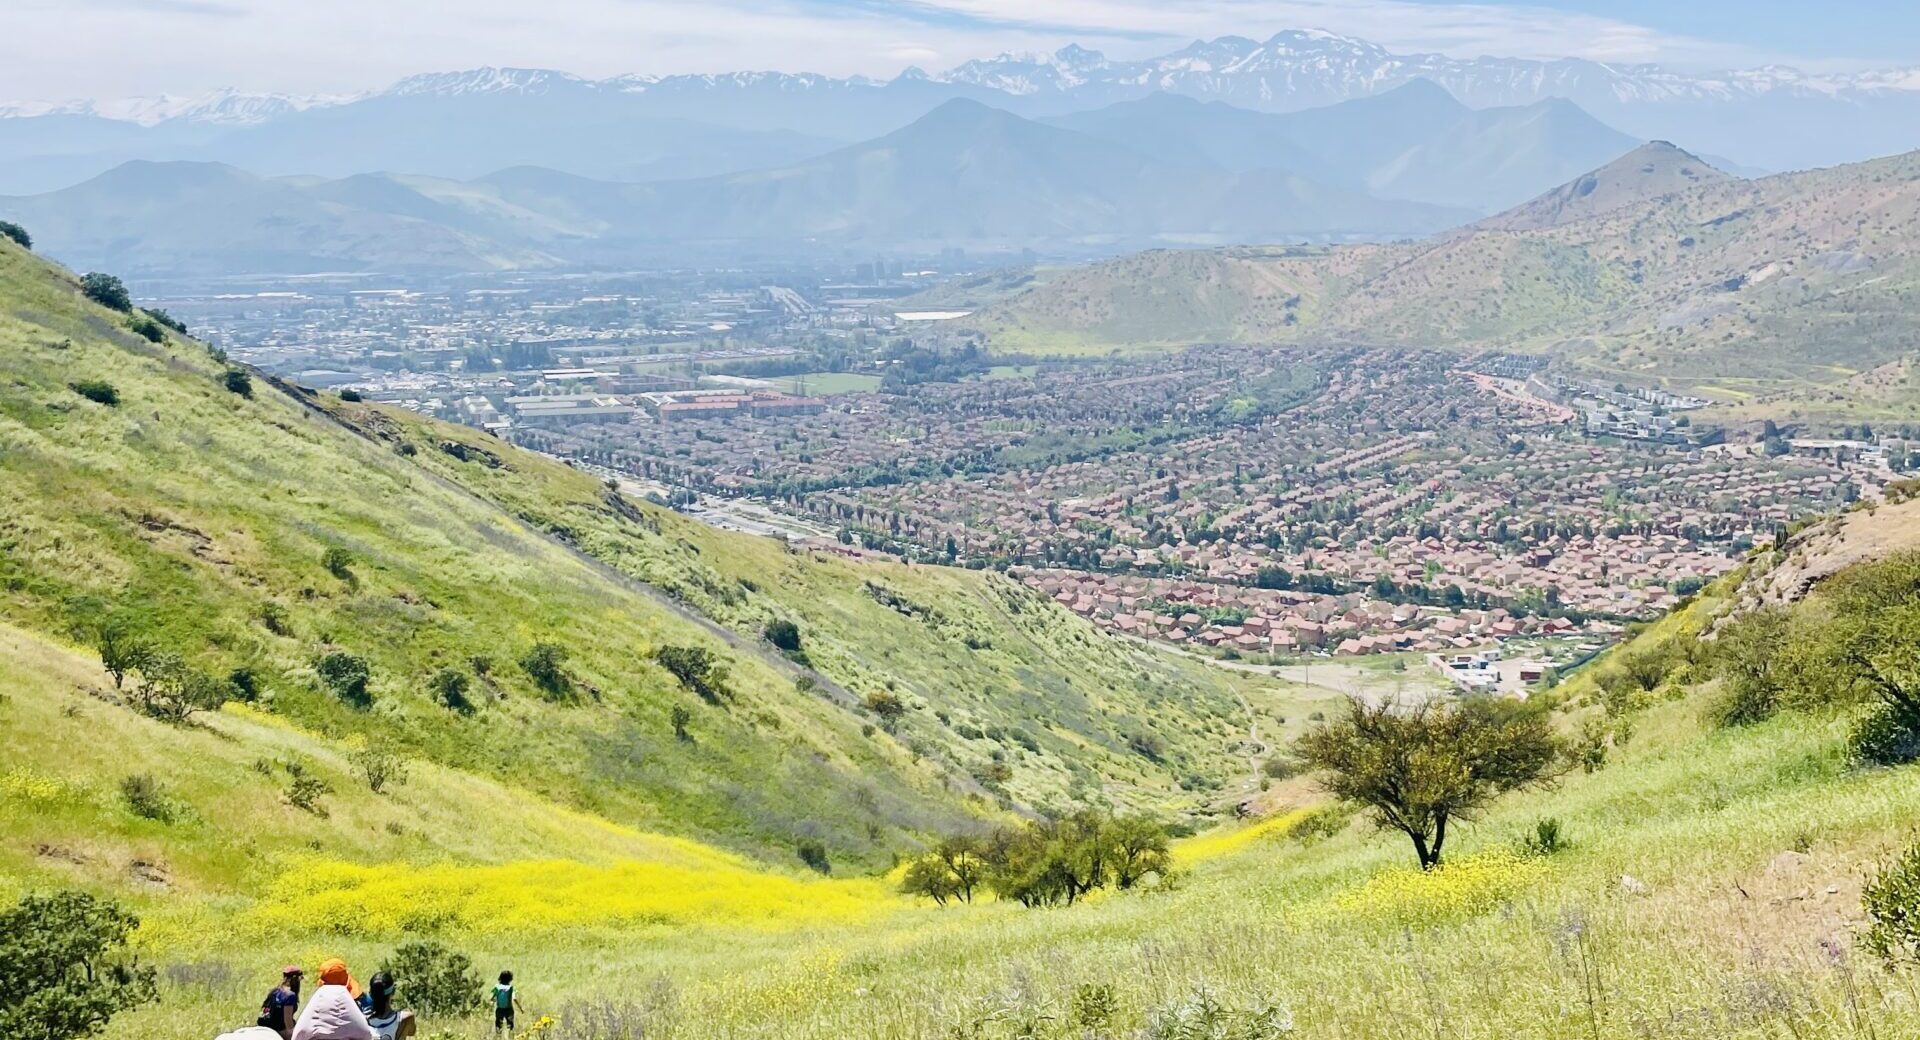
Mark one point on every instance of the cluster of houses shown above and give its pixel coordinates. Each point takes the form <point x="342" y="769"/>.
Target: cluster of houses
<point x="1284" y="622"/>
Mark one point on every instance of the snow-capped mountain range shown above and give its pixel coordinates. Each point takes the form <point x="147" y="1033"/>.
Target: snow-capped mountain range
<point x="1296" y="68"/>
<point x="471" y="122"/>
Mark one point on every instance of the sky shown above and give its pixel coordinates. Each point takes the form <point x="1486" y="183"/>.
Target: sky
<point x="105" y="49"/>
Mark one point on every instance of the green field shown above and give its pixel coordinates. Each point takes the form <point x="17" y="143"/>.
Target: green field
<point x="828" y="384"/>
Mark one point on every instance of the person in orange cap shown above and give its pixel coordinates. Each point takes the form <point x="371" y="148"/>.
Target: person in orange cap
<point x="334" y="1011"/>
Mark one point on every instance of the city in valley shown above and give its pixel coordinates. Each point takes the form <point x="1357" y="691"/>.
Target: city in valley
<point x="1495" y="517"/>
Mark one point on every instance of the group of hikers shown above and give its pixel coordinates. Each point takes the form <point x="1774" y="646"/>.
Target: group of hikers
<point x="340" y="1009"/>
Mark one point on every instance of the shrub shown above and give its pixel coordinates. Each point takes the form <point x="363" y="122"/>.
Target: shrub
<point x="243" y="684"/>
<point x="99" y="391"/>
<point x="274" y="617"/>
<point x="680" y="717"/>
<point x="698" y="670"/>
<point x="346" y="676"/>
<point x="338" y="562"/>
<point x="168" y="320"/>
<point x="888" y="707"/>
<point x="1885" y="736"/>
<point x="145" y="798"/>
<point x="814" y="855"/>
<point x="106" y="290"/>
<point x="172" y="691"/>
<point x="146" y="328"/>
<point x="784" y="635"/>
<point x="238" y="381"/>
<point x="1545" y="839"/>
<point x="381" y="766"/>
<point x="304" y="790"/>
<point x="19" y="234"/>
<point x="436" y="980"/>
<point x="63" y="956"/>
<point x="1202" y="1016"/>
<point x="1892" y="903"/>
<point x="449" y="687"/>
<point x="546" y="664"/>
<point x="120" y="651"/>
<point x="350" y="395"/>
<point x="1281" y="767"/>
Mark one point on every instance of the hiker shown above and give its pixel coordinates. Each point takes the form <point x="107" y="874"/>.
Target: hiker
<point x="333" y="1012"/>
<point x="388" y="1022"/>
<point x="277" y="1011"/>
<point x="504" y="1003"/>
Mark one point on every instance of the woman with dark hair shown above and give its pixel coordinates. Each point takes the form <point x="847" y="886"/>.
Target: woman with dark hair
<point x="388" y="1022"/>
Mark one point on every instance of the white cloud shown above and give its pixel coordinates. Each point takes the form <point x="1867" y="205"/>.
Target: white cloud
<point x="52" y="49"/>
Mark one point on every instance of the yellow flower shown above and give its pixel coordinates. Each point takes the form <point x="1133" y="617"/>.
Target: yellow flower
<point x="1460" y="889"/>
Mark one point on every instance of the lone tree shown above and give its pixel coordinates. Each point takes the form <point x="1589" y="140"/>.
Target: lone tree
<point x="107" y="291"/>
<point x="698" y="670"/>
<point x="64" y="961"/>
<point x="1419" y="767"/>
<point x="19" y="234"/>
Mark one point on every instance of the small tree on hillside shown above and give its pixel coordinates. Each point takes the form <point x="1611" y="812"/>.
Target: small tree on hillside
<point x="120" y="651"/>
<point x="171" y="690"/>
<point x="106" y="290"/>
<point x="697" y="669"/>
<point x="546" y="665"/>
<point x="64" y="961"/>
<point x="19" y="234"/>
<point x="1138" y="846"/>
<point x="346" y="676"/>
<point x="1419" y="767"/>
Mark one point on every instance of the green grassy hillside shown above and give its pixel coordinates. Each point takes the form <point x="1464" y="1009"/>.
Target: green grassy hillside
<point x="1796" y="289"/>
<point x="198" y="519"/>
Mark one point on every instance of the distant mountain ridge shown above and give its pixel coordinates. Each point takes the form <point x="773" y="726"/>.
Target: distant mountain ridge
<point x="1790" y="291"/>
<point x="963" y="174"/>
<point x="1771" y="118"/>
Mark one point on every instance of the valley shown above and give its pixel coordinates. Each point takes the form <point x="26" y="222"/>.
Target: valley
<point x="1213" y="538"/>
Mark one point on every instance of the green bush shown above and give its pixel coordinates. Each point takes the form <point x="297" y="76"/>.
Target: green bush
<point x="106" y="290"/>
<point x="168" y="320"/>
<point x="67" y="971"/>
<point x="1885" y="736"/>
<point x="19" y="234"/>
<point x="338" y="562"/>
<point x="237" y="381"/>
<point x="546" y="665"/>
<point x="434" y="980"/>
<point x="171" y="690"/>
<point x="814" y="855"/>
<point x="346" y="676"/>
<point x="381" y="766"/>
<point x="146" y="328"/>
<point x="145" y="798"/>
<point x="698" y="670"/>
<point x="99" y="391"/>
<point x="1546" y="838"/>
<point x="450" y="689"/>
<point x="784" y="635"/>
<point x="304" y="789"/>
<point x="1892" y="904"/>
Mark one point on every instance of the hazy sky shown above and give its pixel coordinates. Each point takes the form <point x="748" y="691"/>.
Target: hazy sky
<point x="57" y="49"/>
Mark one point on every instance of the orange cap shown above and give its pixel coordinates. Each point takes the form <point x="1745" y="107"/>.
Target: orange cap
<point x="333" y="972"/>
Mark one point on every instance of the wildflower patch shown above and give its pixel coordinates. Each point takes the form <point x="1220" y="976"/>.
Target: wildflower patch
<point x="1454" y="891"/>
<point x="335" y="898"/>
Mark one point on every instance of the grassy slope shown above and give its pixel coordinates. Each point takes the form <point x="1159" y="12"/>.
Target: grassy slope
<point x="188" y="510"/>
<point x="977" y="648"/>
<point x="1721" y="937"/>
<point x="1764" y="287"/>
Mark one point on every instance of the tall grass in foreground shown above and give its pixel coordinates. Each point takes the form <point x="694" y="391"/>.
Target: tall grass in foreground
<point x="1710" y="889"/>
